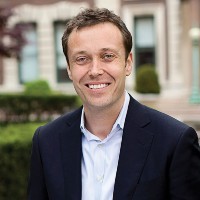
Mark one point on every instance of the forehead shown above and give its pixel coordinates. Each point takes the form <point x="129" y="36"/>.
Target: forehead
<point x="103" y="35"/>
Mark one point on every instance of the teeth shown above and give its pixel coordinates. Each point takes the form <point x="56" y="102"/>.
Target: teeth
<point x="99" y="86"/>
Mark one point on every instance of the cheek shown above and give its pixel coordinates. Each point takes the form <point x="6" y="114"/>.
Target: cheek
<point x="77" y="74"/>
<point x="120" y="71"/>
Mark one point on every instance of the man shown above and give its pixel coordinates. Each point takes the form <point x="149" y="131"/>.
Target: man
<point x="113" y="147"/>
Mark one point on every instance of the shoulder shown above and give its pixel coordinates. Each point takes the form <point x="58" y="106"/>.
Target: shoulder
<point x="157" y="122"/>
<point x="164" y="120"/>
<point x="60" y="124"/>
<point x="167" y="132"/>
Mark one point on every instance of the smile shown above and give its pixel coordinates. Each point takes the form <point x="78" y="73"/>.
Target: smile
<point x="97" y="86"/>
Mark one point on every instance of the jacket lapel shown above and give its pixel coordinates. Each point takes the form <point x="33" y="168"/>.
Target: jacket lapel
<point x="136" y="143"/>
<point x="71" y="156"/>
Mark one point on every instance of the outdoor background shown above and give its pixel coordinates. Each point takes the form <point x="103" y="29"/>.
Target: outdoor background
<point x="35" y="88"/>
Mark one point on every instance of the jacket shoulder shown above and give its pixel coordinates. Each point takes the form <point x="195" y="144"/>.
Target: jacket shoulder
<point x="61" y="123"/>
<point x="155" y="121"/>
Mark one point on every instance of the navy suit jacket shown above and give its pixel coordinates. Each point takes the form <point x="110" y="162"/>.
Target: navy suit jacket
<point x="159" y="159"/>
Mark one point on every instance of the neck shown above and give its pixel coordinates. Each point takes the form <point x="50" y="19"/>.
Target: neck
<point x="100" y="121"/>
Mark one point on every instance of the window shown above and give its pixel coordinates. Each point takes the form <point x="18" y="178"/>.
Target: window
<point x="61" y="63"/>
<point x="144" y="40"/>
<point x="28" y="64"/>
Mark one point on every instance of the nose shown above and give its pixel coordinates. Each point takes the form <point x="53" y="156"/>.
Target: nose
<point x="95" y="68"/>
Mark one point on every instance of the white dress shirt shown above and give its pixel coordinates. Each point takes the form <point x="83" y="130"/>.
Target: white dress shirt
<point x="100" y="158"/>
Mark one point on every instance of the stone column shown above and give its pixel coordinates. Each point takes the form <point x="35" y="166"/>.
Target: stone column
<point x="11" y="81"/>
<point x="1" y="70"/>
<point x="46" y="54"/>
<point x="175" y="70"/>
<point x="195" y="40"/>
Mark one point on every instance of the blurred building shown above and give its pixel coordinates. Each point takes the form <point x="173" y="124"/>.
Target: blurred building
<point x="161" y="31"/>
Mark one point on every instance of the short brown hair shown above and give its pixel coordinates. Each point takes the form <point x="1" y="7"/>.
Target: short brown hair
<point x="90" y="17"/>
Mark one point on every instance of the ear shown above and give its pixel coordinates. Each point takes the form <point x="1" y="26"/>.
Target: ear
<point x="129" y="64"/>
<point x="69" y="72"/>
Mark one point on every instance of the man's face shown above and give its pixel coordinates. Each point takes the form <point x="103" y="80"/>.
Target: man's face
<point x="97" y="65"/>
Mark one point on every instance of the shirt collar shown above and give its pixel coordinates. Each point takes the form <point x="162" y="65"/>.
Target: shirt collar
<point x="122" y="116"/>
<point x="119" y="122"/>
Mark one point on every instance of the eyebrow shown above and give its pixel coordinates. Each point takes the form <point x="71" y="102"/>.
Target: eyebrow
<point x="101" y="50"/>
<point x="109" y="49"/>
<point x="80" y="52"/>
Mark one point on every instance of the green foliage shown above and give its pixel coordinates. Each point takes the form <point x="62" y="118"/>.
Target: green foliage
<point x="15" y="150"/>
<point x="37" y="87"/>
<point x="24" y="108"/>
<point x="147" y="80"/>
<point x="14" y="170"/>
<point x="17" y="132"/>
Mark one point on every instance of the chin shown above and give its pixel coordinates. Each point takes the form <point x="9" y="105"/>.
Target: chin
<point x="99" y="103"/>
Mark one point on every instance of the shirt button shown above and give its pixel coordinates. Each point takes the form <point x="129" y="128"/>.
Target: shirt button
<point x="100" y="146"/>
<point x="100" y="179"/>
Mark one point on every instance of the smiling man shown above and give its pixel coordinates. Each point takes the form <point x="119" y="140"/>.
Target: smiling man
<point x="98" y="66"/>
<point x="113" y="147"/>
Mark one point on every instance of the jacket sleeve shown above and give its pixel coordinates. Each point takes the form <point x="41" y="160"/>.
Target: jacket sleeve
<point x="184" y="172"/>
<point x="36" y="186"/>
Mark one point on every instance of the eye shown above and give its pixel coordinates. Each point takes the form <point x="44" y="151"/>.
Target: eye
<point x="108" y="57"/>
<point x="82" y="60"/>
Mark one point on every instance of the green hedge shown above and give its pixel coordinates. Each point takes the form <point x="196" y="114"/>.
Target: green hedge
<point x="23" y="108"/>
<point x="147" y="80"/>
<point x="15" y="149"/>
<point x="37" y="87"/>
